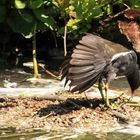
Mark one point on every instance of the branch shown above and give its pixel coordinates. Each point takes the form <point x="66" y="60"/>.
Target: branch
<point x="116" y="15"/>
<point x="121" y="116"/>
<point x="36" y="74"/>
<point x="48" y="72"/>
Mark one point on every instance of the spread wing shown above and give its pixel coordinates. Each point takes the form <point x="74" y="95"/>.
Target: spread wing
<point x="85" y="65"/>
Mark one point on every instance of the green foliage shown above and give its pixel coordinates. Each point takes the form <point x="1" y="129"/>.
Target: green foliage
<point x="135" y="3"/>
<point x="19" y="4"/>
<point x="34" y="4"/>
<point x="2" y="2"/>
<point x="41" y="15"/>
<point x="78" y="15"/>
<point x="20" y="25"/>
<point x="2" y="13"/>
<point x="26" y="14"/>
<point x="23" y="15"/>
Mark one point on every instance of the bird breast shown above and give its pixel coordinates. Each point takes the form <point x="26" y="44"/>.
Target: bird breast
<point x="124" y="62"/>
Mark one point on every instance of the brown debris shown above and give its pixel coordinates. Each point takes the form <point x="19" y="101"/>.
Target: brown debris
<point x="132" y="31"/>
<point x="132" y="14"/>
<point x="26" y="113"/>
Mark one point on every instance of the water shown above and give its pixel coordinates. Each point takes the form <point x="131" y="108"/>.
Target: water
<point x="20" y="78"/>
<point x="11" y="134"/>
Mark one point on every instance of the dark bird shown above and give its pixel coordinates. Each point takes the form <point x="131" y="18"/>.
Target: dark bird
<point x="95" y="59"/>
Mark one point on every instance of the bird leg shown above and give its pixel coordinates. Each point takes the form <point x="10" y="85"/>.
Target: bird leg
<point x="100" y="87"/>
<point x="106" y="93"/>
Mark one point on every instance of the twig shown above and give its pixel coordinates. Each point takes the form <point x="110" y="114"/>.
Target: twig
<point x="126" y="5"/>
<point x="50" y="114"/>
<point x="48" y="72"/>
<point x="121" y="116"/>
<point x="133" y="104"/>
<point x="73" y="103"/>
<point x="60" y="98"/>
<point x="111" y="17"/>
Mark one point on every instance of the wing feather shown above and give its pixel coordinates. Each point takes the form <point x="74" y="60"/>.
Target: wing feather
<point x="88" y="61"/>
<point x="83" y="79"/>
<point x="84" y="86"/>
<point x="77" y="70"/>
<point x="82" y="56"/>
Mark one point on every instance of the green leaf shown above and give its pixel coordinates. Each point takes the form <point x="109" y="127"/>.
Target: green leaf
<point x="79" y="10"/>
<point x="109" y="9"/>
<point x="18" y="24"/>
<point x="20" y="4"/>
<point x="96" y="13"/>
<point x="2" y="13"/>
<point x="41" y="15"/>
<point x="135" y="3"/>
<point x="34" y="4"/>
<point x="60" y="31"/>
<point x="26" y="15"/>
<point x="40" y="26"/>
<point x="72" y="22"/>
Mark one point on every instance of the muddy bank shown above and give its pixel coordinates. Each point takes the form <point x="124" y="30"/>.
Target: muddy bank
<point x="25" y="113"/>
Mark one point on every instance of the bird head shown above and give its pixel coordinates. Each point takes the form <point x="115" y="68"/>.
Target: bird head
<point x="125" y="63"/>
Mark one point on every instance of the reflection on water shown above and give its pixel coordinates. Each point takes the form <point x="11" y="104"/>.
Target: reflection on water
<point x="111" y="136"/>
<point x="11" y="134"/>
<point x="130" y="132"/>
<point x="17" y="78"/>
<point x="13" y="76"/>
<point x="20" y="76"/>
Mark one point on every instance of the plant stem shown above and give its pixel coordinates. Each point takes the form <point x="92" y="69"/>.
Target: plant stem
<point x="65" y="37"/>
<point x="36" y="74"/>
